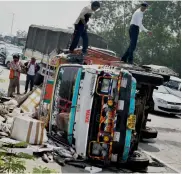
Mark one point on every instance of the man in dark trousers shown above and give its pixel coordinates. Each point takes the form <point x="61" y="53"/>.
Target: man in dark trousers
<point x="135" y="26"/>
<point x="32" y="68"/>
<point x="81" y="27"/>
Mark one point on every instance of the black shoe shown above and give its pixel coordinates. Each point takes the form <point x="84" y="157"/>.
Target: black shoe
<point x="122" y="60"/>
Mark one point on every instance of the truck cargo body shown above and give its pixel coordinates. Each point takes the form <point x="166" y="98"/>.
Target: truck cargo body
<point x="43" y="40"/>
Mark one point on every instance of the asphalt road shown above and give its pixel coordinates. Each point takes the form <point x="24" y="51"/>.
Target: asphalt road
<point x="166" y="148"/>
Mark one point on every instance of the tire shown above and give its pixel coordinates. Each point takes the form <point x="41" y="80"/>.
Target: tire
<point x="149" y="133"/>
<point x="8" y="65"/>
<point x="137" y="161"/>
<point x="147" y="78"/>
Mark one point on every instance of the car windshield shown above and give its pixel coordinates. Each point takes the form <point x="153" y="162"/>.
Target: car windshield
<point x="161" y="89"/>
<point x="173" y="84"/>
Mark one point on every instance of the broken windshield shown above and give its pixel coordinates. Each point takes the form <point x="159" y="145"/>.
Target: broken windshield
<point x="63" y="93"/>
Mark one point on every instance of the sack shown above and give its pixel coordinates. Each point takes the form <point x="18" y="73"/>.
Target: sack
<point x="32" y="101"/>
<point x="28" y="130"/>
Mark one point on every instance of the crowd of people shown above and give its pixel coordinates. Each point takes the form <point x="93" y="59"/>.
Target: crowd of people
<point x="16" y="67"/>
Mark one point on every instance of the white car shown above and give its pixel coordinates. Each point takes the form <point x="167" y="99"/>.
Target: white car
<point x="166" y="102"/>
<point x="9" y="58"/>
<point x="174" y="86"/>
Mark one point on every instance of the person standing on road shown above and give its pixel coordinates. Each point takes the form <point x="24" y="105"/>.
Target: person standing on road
<point x="135" y="25"/>
<point x="81" y="27"/>
<point x="32" y="68"/>
<point x="14" y="76"/>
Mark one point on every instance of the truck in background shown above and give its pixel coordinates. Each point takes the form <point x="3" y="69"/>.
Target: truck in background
<point x="42" y="40"/>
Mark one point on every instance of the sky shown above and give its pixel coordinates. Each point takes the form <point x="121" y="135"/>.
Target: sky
<point x="60" y="14"/>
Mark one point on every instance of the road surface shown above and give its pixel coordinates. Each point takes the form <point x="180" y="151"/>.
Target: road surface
<point x="166" y="148"/>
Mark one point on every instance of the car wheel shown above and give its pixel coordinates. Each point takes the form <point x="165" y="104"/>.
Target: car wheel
<point x="138" y="161"/>
<point x="149" y="132"/>
<point x="8" y="65"/>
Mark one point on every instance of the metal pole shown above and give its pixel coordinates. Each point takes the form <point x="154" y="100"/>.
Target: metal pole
<point x="46" y="77"/>
<point x="12" y="24"/>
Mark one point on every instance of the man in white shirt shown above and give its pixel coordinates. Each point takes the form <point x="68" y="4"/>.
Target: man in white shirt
<point x="135" y="26"/>
<point x="81" y="26"/>
<point x="32" y="68"/>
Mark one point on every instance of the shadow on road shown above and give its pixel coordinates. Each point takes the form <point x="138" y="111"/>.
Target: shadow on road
<point x="149" y="148"/>
<point x="161" y="129"/>
<point x="171" y="116"/>
<point x="148" y="140"/>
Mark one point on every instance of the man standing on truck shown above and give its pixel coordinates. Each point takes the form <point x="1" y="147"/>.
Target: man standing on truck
<point x="81" y="26"/>
<point x="135" y="25"/>
<point x="31" y="68"/>
<point x="14" y="76"/>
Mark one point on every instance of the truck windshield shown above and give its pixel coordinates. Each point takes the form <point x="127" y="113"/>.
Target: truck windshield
<point x="62" y="98"/>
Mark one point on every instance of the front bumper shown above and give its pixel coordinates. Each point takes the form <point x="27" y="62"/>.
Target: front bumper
<point x="170" y="109"/>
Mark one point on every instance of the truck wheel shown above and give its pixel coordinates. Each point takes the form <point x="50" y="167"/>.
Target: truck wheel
<point x="137" y="161"/>
<point x="149" y="133"/>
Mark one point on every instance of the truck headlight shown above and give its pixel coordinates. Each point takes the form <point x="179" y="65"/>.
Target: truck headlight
<point x="162" y="101"/>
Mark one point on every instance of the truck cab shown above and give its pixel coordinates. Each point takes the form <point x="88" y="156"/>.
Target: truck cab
<point x="93" y="110"/>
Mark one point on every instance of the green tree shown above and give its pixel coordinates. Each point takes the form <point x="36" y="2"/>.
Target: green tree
<point x="163" y="18"/>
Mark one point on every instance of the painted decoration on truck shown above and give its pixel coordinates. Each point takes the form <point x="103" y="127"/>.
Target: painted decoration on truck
<point x="48" y="91"/>
<point x="131" y="116"/>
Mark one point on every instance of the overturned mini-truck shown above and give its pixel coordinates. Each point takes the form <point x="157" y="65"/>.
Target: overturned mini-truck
<point x="99" y="111"/>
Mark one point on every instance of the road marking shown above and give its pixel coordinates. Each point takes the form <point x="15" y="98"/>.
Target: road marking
<point x="161" y="161"/>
